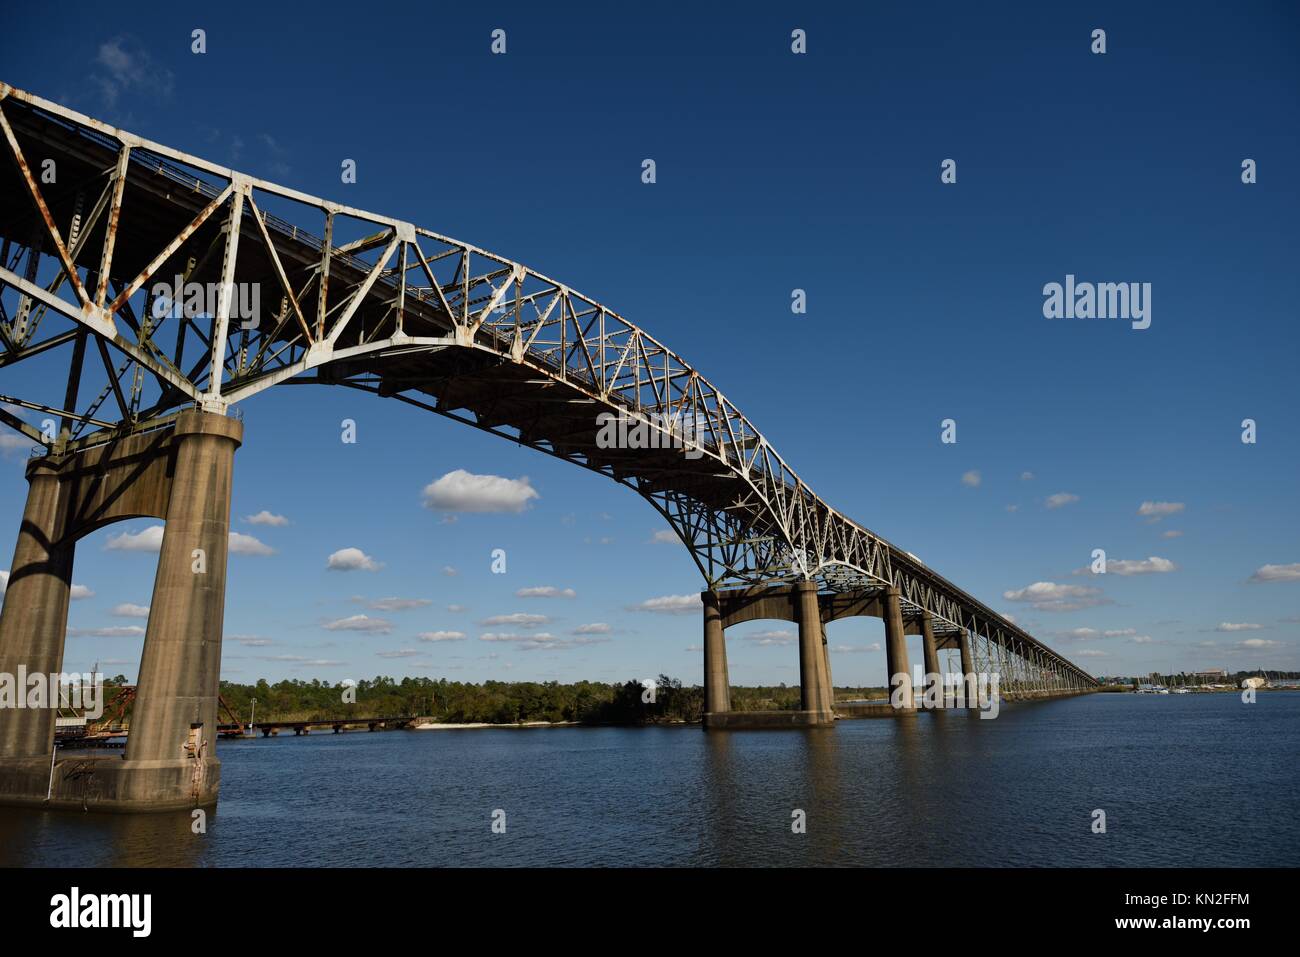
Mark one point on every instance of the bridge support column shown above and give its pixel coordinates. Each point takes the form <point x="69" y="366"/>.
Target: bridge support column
<point x="34" y="620"/>
<point x="717" y="685"/>
<point x="930" y="654"/>
<point x="170" y="753"/>
<point x="971" y="679"/>
<point x="814" y="676"/>
<point x="180" y="473"/>
<point x="896" y="652"/>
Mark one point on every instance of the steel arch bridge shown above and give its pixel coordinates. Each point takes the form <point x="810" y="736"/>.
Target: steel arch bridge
<point x="93" y="219"/>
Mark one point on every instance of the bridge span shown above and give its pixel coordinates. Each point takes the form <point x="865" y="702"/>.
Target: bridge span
<point x="99" y="231"/>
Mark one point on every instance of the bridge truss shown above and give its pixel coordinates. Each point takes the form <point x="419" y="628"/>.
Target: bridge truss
<point x="95" y="222"/>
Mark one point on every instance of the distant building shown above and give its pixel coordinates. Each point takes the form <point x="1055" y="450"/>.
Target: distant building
<point x="1215" y="673"/>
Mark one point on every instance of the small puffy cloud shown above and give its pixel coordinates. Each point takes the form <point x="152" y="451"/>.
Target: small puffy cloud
<point x="352" y="559"/>
<point x="1238" y="626"/>
<point x="266" y="518"/>
<point x="147" y="540"/>
<point x="971" y="478"/>
<point x="769" y="638"/>
<point x="392" y="604"/>
<point x="455" y="609"/>
<point x="546" y="591"/>
<point x="1050" y="596"/>
<point x="1141" y="639"/>
<point x="1171" y="533"/>
<point x="441" y="636"/>
<point x="249" y="641"/>
<point x="595" y="628"/>
<point x="1148" y="566"/>
<point x="665" y="536"/>
<point x="1155" y="511"/>
<point x="116" y="631"/>
<point x="1277" y="573"/>
<point x="522" y="619"/>
<point x="550" y="643"/>
<point x="462" y="491"/>
<point x="1026" y="476"/>
<point x="1013" y="508"/>
<point x="855" y="649"/>
<point x="451" y="571"/>
<point x="128" y="610"/>
<point x="360" y="623"/>
<point x="241" y="544"/>
<point x="77" y="592"/>
<point x="1092" y="653"/>
<point x="671" y="605"/>
<point x="1061" y="499"/>
<point x="1259" y="643"/>
<point x="404" y="653"/>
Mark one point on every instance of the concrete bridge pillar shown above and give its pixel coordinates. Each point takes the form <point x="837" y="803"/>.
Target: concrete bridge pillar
<point x="814" y="667"/>
<point x="930" y="653"/>
<point x="717" y="684"/>
<point x="896" y="649"/>
<point x="35" y="615"/>
<point x="180" y="473"/>
<point x="174" y="720"/>
<point x="968" y="671"/>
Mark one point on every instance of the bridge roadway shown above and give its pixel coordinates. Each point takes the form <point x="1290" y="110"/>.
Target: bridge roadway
<point x="143" y="394"/>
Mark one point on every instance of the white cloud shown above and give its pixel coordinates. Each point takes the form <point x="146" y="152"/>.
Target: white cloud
<point x="595" y="628"/>
<point x="353" y="559"/>
<point x="522" y="619"/>
<point x="241" y="544"/>
<point x="404" y="653"/>
<point x="1149" y="566"/>
<point x="1155" y="511"/>
<point x="450" y="571"/>
<point x="392" y="604"/>
<point x="146" y="540"/>
<point x="454" y="609"/>
<point x="1277" y="573"/>
<point x="1142" y="639"/>
<point x="1013" y="508"/>
<point x="249" y="641"/>
<point x="462" y="491"/>
<point x="117" y="631"/>
<point x="1060" y="499"/>
<point x="546" y="591"/>
<point x="441" y="635"/>
<point x="971" y="478"/>
<point x="360" y="623"/>
<point x="769" y="638"/>
<point x="1050" y="596"/>
<point x="670" y="605"/>
<point x="128" y="610"/>
<point x="4" y="582"/>
<point x="1259" y="643"/>
<point x="1026" y="476"/>
<point x="77" y="592"/>
<point x="1092" y="653"/>
<point x="1171" y="533"/>
<point x="1238" y="626"/>
<point x="665" y="536"/>
<point x="266" y="518"/>
<point x="855" y="649"/>
<point x="122" y="64"/>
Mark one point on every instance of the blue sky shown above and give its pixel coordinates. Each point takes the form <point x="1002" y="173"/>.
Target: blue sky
<point x="775" y="171"/>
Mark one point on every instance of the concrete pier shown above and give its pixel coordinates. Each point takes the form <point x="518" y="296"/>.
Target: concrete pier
<point x="930" y="654"/>
<point x="896" y="650"/>
<point x="35" y="615"/>
<point x="182" y="474"/>
<point x="717" y="685"/>
<point x="814" y="669"/>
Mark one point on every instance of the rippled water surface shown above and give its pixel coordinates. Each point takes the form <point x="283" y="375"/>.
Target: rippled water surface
<point x="1190" y="779"/>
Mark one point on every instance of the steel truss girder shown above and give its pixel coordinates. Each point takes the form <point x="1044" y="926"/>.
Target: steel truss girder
<point x="774" y="529"/>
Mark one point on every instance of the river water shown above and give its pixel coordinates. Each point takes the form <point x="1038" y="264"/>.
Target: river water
<point x="1182" y="779"/>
